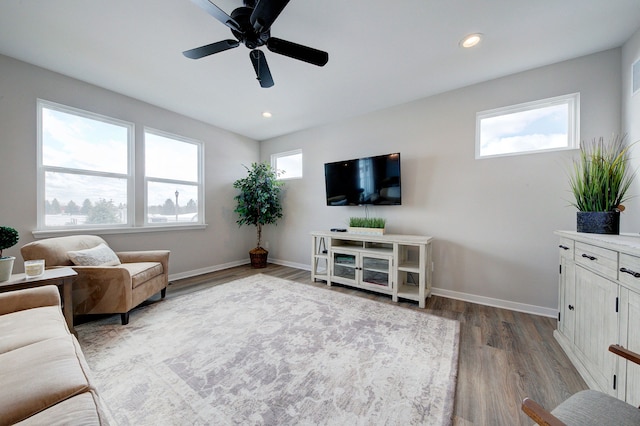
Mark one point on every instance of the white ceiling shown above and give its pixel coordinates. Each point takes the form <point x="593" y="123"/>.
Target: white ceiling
<point x="381" y="52"/>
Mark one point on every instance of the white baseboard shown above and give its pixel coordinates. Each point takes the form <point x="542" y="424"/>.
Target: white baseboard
<point x="496" y="303"/>
<point x="291" y="264"/>
<point x="450" y="294"/>
<point x="208" y="269"/>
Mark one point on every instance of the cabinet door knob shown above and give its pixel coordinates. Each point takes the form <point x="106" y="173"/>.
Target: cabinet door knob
<point x="589" y="257"/>
<point x="571" y="308"/>
<point x="563" y="247"/>
<point x="630" y="272"/>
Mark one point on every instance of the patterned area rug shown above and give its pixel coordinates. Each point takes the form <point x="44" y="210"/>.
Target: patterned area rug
<point x="266" y="351"/>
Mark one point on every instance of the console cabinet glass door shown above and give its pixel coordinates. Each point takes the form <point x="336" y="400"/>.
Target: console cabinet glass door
<point x="376" y="270"/>
<point x="345" y="266"/>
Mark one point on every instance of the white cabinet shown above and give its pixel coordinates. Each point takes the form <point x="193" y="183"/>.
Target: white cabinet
<point x="362" y="269"/>
<point x="599" y="305"/>
<point x="567" y="289"/>
<point x="596" y="326"/>
<point x="397" y="265"/>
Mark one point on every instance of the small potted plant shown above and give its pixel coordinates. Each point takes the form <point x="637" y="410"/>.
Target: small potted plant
<point x="367" y="225"/>
<point x="8" y="238"/>
<point x="600" y="180"/>
<point x="258" y="204"/>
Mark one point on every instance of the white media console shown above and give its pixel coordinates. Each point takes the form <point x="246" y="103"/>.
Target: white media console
<point x="397" y="265"/>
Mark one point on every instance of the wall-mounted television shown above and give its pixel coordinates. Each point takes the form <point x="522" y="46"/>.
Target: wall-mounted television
<point x="369" y="180"/>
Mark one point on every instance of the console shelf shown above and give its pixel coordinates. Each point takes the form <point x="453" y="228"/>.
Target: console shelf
<point x="397" y="265"/>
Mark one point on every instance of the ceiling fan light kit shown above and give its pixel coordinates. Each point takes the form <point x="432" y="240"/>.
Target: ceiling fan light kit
<point x="251" y="25"/>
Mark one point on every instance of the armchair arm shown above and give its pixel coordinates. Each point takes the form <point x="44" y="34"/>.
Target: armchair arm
<point x="161" y="256"/>
<point x="20" y="300"/>
<point x="625" y="353"/>
<point x="539" y="414"/>
<point x="143" y="256"/>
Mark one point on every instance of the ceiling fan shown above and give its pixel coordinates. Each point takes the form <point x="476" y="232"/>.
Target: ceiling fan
<point x="251" y="25"/>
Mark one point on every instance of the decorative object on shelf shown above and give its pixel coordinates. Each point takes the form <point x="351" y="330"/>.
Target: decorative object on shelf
<point x="367" y="225"/>
<point x="8" y="238"/>
<point x="600" y="179"/>
<point x="258" y="204"/>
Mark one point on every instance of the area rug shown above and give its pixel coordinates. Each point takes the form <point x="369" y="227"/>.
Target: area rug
<point x="267" y="351"/>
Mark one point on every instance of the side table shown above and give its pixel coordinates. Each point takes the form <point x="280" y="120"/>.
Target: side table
<point x="62" y="277"/>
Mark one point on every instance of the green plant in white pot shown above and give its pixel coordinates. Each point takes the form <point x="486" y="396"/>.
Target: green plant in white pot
<point x="600" y="180"/>
<point x="8" y="238"/>
<point x="258" y="204"/>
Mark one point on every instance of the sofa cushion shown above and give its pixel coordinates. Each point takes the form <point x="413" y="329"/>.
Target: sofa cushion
<point x="40" y="375"/>
<point x="83" y="409"/>
<point x="142" y="272"/>
<point x="23" y="328"/>
<point x="100" y="255"/>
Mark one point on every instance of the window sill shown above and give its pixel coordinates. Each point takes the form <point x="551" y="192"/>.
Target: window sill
<point x="49" y="233"/>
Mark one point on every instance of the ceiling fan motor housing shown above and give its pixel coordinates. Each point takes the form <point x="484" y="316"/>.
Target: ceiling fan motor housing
<point x="248" y="36"/>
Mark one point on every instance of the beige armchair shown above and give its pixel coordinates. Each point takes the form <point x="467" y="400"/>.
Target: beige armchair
<point x="115" y="286"/>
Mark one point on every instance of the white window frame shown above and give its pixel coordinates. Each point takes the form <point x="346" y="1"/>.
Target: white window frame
<point x="42" y="169"/>
<point x="200" y="178"/>
<point x="573" y="128"/>
<point x="276" y="156"/>
<point x="135" y="221"/>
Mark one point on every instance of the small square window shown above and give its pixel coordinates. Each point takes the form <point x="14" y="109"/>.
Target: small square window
<point x="288" y="165"/>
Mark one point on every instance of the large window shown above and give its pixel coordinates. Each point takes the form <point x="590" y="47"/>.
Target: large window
<point x="288" y="164"/>
<point x="86" y="173"/>
<point x="173" y="178"/>
<point x="545" y="125"/>
<point x="85" y="164"/>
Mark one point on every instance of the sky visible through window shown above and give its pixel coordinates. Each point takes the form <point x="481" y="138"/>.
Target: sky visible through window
<point x="532" y="130"/>
<point x="82" y="144"/>
<point x="171" y="159"/>
<point x="291" y="165"/>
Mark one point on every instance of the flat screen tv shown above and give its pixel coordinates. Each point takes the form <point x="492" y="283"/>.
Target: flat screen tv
<point x="370" y="180"/>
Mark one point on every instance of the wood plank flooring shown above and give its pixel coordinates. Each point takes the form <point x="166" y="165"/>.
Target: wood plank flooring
<point x="504" y="355"/>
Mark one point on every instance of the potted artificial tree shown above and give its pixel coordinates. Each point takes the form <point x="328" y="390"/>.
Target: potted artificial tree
<point x="600" y="180"/>
<point x="8" y="238"/>
<point x="258" y="204"/>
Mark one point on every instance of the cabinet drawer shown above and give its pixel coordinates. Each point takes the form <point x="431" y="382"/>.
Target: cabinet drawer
<point x="566" y="248"/>
<point x="630" y="270"/>
<point x="598" y="259"/>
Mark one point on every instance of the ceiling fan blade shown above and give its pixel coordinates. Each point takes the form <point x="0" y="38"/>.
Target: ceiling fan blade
<point x="298" y="51"/>
<point x="265" y="13"/>
<point x="262" y="69"/>
<point x="210" y="49"/>
<point x="218" y="13"/>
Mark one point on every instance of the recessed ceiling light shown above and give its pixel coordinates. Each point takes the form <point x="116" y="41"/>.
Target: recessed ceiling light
<point x="471" y="40"/>
<point x="266" y="114"/>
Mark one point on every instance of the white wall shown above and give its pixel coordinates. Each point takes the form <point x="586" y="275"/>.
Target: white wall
<point x="220" y="244"/>
<point x="492" y="219"/>
<point x="631" y="122"/>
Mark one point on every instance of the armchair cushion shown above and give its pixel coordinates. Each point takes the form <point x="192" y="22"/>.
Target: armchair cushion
<point x="591" y="407"/>
<point x="100" y="255"/>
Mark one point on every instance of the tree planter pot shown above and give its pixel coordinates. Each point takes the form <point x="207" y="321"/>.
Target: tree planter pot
<point x="258" y="257"/>
<point x="6" y="268"/>
<point x="599" y="222"/>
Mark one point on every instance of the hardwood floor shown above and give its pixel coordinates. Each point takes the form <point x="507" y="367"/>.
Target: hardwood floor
<point x="504" y="355"/>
